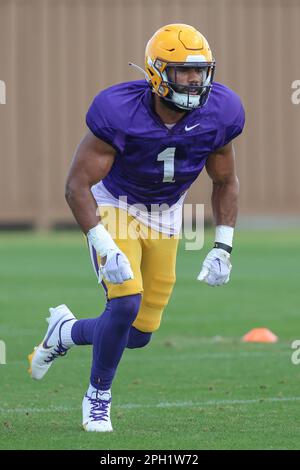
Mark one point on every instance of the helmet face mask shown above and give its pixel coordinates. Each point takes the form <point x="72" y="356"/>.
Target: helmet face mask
<point x="187" y="93"/>
<point x="180" y="66"/>
<point x="177" y="73"/>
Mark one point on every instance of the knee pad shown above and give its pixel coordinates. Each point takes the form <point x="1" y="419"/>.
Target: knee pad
<point x="125" y="309"/>
<point x="137" y="339"/>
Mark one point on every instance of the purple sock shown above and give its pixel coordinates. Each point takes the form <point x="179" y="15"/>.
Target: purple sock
<point x="110" y="338"/>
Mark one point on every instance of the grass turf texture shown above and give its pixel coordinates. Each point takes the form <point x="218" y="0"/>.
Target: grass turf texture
<point x="196" y="386"/>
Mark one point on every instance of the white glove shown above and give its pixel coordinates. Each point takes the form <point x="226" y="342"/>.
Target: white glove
<point x="117" y="267"/>
<point x="216" y="268"/>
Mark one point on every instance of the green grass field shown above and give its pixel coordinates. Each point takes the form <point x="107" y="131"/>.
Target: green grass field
<point x="196" y="386"/>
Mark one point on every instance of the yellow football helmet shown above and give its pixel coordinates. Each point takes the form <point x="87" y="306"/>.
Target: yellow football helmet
<point x="177" y="46"/>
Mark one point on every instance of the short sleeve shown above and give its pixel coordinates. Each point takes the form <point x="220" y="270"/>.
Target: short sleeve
<point x="232" y="122"/>
<point x="100" y="121"/>
<point x="236" y="128"/>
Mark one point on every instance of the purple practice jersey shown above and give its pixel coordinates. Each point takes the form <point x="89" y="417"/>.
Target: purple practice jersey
<point x="154" y="164"/>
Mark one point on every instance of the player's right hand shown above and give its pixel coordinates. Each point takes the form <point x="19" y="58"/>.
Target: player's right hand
<point x="116" y="269"/>
<point x="115" y="266"/>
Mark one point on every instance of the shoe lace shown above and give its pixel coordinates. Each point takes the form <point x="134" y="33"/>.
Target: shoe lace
<point x="58" y="351"/>
<point x="100" y="408"/>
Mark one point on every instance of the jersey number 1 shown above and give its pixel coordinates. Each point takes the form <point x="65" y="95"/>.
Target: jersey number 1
<point x="167" y="156"/>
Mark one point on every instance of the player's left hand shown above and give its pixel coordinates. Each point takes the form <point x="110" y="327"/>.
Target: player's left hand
<point x="216" y="268"/>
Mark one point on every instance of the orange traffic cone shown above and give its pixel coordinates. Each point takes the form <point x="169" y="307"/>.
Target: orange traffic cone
<point x="260" y="335"/>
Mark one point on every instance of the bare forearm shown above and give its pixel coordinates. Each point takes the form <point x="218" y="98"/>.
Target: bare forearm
<point x="83" y="206"/>
<point x="225" y="202"/>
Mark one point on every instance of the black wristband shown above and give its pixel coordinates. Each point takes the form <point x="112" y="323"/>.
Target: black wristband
<point x="223" y="246"/>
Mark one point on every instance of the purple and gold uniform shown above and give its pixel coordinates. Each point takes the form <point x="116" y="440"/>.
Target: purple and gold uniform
<point x="156" y="165"/>
<point x="123" y="116"/>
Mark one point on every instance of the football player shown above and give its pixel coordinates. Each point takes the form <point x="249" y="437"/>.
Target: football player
<point x="147" y="142"/>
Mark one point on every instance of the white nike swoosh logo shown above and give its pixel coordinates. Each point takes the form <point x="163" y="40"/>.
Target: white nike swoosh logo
<point x="45" y="342"/>
<point x="190" y="128"/>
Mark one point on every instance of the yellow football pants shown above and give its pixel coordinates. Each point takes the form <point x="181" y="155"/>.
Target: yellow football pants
<point x="152" y="257"/>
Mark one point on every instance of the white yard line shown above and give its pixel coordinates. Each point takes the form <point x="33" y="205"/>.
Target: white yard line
<point x="182" y="404"/>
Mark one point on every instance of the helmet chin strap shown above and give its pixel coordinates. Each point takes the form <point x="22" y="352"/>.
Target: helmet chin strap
<point x="185" y="101"/>
<point x="171" y="105"/>
<point x="181" y="102"/>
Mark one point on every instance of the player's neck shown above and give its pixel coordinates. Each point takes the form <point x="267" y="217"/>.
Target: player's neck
<point x="167" y="115"/>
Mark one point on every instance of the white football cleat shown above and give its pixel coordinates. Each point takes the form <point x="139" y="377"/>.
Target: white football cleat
<point x="96" y="411"/>
<point x="51" y="347"/>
